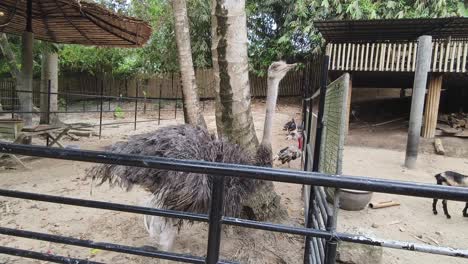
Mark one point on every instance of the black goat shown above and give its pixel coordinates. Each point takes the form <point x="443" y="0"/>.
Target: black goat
<point x="450" y="178"/>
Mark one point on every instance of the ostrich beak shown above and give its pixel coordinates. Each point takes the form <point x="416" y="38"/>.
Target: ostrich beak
<point x="291" y="66"/>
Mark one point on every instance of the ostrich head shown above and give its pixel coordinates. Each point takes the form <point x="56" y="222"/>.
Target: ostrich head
<point x="276" y="73"/>
<point x="278" y="70"/>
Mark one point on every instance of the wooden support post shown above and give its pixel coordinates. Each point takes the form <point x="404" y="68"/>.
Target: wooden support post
<point x="423" y="62"/>
<point x="348" y="104"/>
<point x="432" y="106"/>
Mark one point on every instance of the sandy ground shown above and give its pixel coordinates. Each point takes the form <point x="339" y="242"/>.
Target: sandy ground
<point x="413" y="218"/>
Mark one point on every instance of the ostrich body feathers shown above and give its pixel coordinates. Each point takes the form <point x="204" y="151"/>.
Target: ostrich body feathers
<point x="181" y="191"/>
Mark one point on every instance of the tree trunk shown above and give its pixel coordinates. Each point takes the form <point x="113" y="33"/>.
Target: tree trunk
<point x="189" y="86"/>
<point x="49" y="71"/>
<point x="11" y="60"/>
<point x="233" y="111"/>
<point x="9" y="55"/>
<point x="231" y="73"/>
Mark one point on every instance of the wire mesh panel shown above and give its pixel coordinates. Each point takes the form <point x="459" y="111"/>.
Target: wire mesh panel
<point x="320" y="215"/>
<point x="331" y="150"/>
<point x="334" y="118"/>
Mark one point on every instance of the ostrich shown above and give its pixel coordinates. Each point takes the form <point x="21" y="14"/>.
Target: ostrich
<point x="190" y="192"/>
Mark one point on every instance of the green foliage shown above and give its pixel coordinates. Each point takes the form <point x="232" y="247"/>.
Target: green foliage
<point x="159" y="55"/>
<point x="118" y="112"/>
<point x="161" y="103"/>
<point x="284" y="28"/>
<point x="277" y="29"/>
<point x="62" y="103"/>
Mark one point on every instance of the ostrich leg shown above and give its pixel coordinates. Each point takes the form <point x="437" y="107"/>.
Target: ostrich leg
<point x="162" y="230"/>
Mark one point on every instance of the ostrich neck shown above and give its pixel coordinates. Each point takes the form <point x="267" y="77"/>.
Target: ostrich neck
<point x="272" y="96"/>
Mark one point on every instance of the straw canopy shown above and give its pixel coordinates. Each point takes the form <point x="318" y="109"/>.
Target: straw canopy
<point x="73" y="22"/>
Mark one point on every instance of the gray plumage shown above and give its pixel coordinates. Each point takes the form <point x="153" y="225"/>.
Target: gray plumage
<point x="191" y="192"/>
<point x="182" y="191"/>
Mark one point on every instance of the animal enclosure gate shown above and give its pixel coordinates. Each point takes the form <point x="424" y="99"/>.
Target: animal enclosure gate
<point x="330" y="140"/>
<point x="324" y="136"/>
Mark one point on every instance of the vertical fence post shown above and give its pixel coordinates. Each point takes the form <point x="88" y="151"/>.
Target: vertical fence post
<point x="13" y="102"/>
<point x="215" y="220"/>
<point x="307" y="85"/>
<point x="83" y="102"/>
<point x="136" y="104"/>
<point x="97" y="85"/>
<point x="203" y="95"/>
<point x="109" y="93"/>
<point x="176" y="94"/>
<point x="159" y="104"/>
<point x="48" y="109"/>
<point x="318" y="136"/>
<point x="323" y="91"/>
<point x="332" y="244"/>
<point x="49" y="88"/>
<point x="126" y="87"/>
<point x="66" y="97"/>
<point x="100" y="112"/>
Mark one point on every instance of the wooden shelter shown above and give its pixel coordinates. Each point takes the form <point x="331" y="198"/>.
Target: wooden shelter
<point x="384" y="54"/>
<point x="73" y="22"/>
<point x="68" y="22"/>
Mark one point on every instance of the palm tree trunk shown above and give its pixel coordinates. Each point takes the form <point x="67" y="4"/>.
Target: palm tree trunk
<point x="49" y="72"/>
<point x="233" y="111"/>
<point x="193" y="114"/>
<point x="231" y="73"/>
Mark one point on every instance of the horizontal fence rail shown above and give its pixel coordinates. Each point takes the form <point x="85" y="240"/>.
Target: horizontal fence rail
<point x="76" y="103"/>
<point x="45" y="257"/>
<point x="219" y="169"/>
<point x="244" y="171"/>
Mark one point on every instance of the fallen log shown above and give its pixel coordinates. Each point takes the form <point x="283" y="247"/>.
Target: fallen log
<point x="73" y="137"/>
<point x="446" y="129"/>
<point x="439" y="148"/>
<point x="82" y="134"/>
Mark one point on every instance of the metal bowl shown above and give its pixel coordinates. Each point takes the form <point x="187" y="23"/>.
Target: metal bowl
<point x="354" y="200"/>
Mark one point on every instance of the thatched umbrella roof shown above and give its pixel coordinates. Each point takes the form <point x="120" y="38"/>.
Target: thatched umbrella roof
<point x="73" y="22"/>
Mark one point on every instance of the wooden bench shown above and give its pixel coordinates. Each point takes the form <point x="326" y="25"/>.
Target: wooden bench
<point x="47" y="131"/>
<point x="40" y="130"/>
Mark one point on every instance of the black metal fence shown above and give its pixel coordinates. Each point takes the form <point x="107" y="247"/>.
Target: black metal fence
<point x="318" y="155"/>
<point x="99" y="104"/>
<point x="215" y="218"/>
<point x="321" y="238"/>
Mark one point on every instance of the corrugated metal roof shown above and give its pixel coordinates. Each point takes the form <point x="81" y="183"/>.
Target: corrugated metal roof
<point x="392" y="29"/>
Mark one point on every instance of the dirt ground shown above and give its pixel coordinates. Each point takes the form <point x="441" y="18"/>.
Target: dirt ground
<point x="406" y="222"/>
